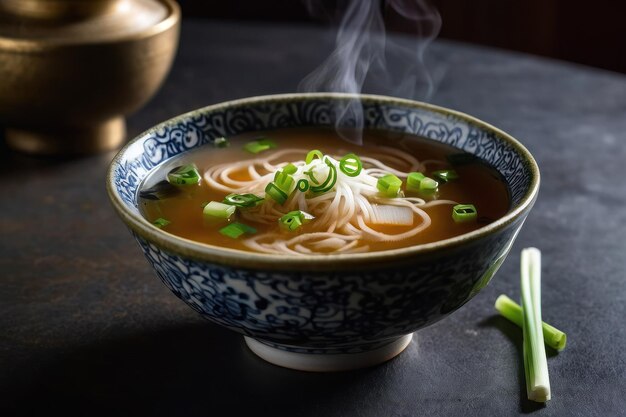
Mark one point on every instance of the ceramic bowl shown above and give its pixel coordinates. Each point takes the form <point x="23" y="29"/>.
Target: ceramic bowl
<point x="332" y="312"/>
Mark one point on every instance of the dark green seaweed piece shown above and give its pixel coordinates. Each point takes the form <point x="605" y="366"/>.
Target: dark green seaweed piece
<point x="160" y="191"/>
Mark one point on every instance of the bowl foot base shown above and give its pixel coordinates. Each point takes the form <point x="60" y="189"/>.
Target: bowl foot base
<point x="328" y="362"/>
<point x="68" y="140"/>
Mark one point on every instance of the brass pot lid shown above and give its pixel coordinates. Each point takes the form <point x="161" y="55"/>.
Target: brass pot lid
<point x="79" y="21"/>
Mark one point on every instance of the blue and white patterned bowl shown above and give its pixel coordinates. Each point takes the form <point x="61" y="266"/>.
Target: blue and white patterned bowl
<point x="325" y="312"/>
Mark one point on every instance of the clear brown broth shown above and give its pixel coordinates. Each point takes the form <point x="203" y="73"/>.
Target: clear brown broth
<point x="478" y="184"/>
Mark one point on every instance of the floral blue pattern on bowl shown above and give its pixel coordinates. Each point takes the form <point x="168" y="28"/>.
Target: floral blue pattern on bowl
<point x="342" y="311"/>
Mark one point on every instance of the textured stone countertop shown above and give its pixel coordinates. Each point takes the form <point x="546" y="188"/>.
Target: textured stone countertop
<point x="86" y="328"/>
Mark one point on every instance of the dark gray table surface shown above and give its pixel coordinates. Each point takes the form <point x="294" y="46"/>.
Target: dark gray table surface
<point x="86" y="328"/>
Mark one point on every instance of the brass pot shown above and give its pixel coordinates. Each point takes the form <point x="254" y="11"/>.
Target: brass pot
<point x="70" y="70"/>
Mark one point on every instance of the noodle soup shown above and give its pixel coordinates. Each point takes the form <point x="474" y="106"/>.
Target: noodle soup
<point x="306" y="191"/>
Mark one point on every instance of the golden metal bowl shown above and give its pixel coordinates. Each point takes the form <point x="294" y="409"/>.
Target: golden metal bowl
<point x="70" y="70"/>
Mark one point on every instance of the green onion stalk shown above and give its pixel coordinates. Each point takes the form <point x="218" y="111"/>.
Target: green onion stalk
<point x="535" y="362"/>
<point x="509" y="309"/>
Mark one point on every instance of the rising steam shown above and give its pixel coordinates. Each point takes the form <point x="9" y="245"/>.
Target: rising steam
<point x="366" y="60"/>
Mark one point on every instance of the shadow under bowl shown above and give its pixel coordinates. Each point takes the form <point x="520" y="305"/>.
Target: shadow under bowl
<point x="331" y="312"/>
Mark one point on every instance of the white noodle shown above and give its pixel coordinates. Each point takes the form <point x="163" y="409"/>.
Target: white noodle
<point x="342" y="215"/>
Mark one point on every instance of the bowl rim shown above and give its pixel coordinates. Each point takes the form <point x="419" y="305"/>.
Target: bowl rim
<point x="240" y="258"/>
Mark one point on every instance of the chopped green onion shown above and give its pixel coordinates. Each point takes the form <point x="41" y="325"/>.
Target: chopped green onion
<point x="302" y="185"/>
<point x="309" y="173"/>
<point x="161" y="222"/>
<point x="389" y="185"/>
<point x="204" y="203"/>
<point x="221" y="142"/>
<point x="462" y="213"/>
<point x="508" y="308"/>
<point x="235" y="230"/>
<point x="259" y="146"/>
<point x="242" y="200"/>
<point x="184" y="175"/>
<point x="418" y="182"/>
<point x="290" y="169"/>
<point x="312" y="155"/>
<point x="535" y="363"/>
<point x="275" y="193"/>
<point x="414" y="180"/>
<point x="294" y="220"/>
<point x="446" y="175"/>
<point x="218" y="210"/>
<point x="290" y="223"/>
<point x="351" y="165"/>
<point x="330" y="180"/>
<point x="284" y="181"/>
<point x="428" y="185"/>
